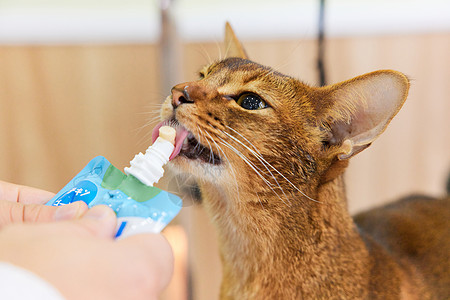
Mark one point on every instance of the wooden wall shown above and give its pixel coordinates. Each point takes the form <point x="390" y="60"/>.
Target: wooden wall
<point x="62" y="105"/>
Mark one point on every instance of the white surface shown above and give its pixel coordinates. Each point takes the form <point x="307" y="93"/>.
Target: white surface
<point x="62" y="24"/>
<point x="138" y="21"/>
<point x="298" y="19"/>
<point x="19" y="284"/>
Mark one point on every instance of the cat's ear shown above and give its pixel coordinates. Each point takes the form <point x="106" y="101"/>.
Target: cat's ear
<point x="357" y="111"/>
<point x="233" y="48"/>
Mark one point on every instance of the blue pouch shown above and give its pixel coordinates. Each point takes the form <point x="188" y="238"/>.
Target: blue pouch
<point x="139" y="208"/>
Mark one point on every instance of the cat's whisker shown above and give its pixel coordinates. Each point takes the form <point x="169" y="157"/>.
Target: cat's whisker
<point x="152" y="108"/>
<point x="220" y="149"/>
<point x="148" y="124"/>
<point x="229" y="164"/>
<point x="199" y="139"/>
<point x="254" y="151"/>
<point x="197" y="146"/>
<point x="227" y="50"/>
<point x="288" y="60"/>
<point x="284" y="177"/>
<point x="254" y="168"/>
<point x="199" y="142"/>
<point x="211" y="156"/>
<point x="258" y="173"/>
<point x="145" y="139"/>
<point x="270" y="72"/>
<point x="205" y="52"/>
<point x="173" y="123"/>
<point x="151" y="112"/>
<point x="154" y="119"/>
<point x="150" y="120"/>
<point x="159" y="104"/>
<point x="279" y="66"/>
<point x="219" y="47"/>
<point x="261" y="160"/>
<point x="146" y="136"/>
<point x="259" y="199"/>
<point x="250" y="163"/>
<point x="258" y="155"/>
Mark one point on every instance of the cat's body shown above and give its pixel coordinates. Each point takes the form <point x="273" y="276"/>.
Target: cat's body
<point x="400" y="251"/>
<point x="415" y="233"/>
<point x="269" y="153"/>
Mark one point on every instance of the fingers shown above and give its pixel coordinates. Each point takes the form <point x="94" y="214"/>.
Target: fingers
<point x="23" y="194"/>
<point x="12" y="212"/>
<point x="70" y="211"/>
<point x="43" y="213"/>
<point x="100" y="221"/>
<point x="152" y="252"/>
<point x="32" y="195"/>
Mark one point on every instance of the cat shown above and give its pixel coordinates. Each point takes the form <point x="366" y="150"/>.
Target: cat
<point x="269" y="153"/>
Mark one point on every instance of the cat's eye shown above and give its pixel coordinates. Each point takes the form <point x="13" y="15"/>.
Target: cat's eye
<point x="251" y="101"/>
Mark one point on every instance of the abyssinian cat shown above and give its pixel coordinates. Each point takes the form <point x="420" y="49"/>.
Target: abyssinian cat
<point x="269" y="154"/>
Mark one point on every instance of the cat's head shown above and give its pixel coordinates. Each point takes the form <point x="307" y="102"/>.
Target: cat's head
<point x="251" y="126"/>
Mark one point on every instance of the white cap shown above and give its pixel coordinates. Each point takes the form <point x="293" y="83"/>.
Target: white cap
<point x="148" y="167"/>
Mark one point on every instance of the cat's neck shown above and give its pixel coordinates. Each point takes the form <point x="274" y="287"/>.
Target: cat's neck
<point x="302" y="243"/>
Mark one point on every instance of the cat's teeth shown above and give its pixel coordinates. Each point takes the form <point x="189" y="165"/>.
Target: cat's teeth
<point x="185" y="142"/>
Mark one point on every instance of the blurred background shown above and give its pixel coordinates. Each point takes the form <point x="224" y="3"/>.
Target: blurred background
<point x="85" y="78"/>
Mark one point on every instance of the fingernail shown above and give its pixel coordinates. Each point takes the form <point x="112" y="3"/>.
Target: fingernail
<point x="65" y="212"/>
<point x="98" y="212"/>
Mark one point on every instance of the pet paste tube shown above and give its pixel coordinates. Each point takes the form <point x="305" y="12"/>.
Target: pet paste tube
<point x="139" y="206"/>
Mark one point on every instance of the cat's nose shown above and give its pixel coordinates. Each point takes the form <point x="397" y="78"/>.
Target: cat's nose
<point x="180" y="95"/>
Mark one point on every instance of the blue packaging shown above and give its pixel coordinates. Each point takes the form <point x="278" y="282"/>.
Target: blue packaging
<point x="139" y="208"/>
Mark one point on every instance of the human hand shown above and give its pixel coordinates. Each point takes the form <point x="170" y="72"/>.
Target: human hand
<point x="83" y="261"/>
<point x="20" y="203"/>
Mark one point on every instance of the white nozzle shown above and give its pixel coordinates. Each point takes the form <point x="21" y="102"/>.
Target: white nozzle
<point x="148" y="167"/>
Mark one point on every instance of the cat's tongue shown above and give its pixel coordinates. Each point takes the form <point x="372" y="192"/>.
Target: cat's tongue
<point x="182" y="133"/>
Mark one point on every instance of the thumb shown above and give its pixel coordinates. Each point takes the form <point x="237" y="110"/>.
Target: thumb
<point x="100" y="221"/>
<point x="154" y="252"/>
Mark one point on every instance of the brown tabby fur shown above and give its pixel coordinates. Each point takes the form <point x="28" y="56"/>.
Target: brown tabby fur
<point x="278" y="243"/>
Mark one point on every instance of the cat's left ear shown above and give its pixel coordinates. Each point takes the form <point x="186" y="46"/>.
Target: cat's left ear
<point x="357" y="111"/>
<point x="233" y="48"/>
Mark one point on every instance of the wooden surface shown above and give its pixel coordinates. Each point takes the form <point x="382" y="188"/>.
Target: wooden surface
<point x="62" y="106"/>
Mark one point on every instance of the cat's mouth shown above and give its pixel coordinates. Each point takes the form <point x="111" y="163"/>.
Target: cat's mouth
<point x="187" y="145"/>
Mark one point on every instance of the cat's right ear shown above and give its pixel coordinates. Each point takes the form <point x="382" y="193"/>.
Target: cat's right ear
<point x="233" y="47"/>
